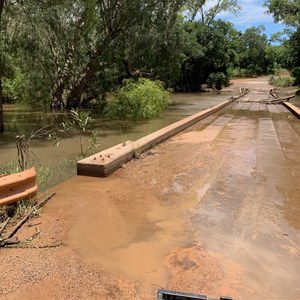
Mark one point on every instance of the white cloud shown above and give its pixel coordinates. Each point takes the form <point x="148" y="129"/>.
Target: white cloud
<point x="252" y="13"/>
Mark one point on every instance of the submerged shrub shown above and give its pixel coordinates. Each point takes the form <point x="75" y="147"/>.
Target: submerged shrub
<point x="218" y="80"/>
<point x="284" y="81"/>
<point x="138" y="99"/>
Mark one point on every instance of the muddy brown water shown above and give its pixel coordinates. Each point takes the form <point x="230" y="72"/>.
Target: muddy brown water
<point x="231" y="189"/>
<point x="62" y="159"/>
<point x="214" y="210"/>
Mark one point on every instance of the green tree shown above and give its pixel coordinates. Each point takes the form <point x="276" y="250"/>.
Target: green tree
<point x="287" y="11"/>
<point x="138" y="99"/>
<point x="156" y="50"/>
<point x="24" y="77"/>
<point x="69" y="52"/>
<point x="209" y="50"/>
<point x="294" y="50"/>
<point x="253" y="52"/>
<point x="217" y="80"/>
<point x="117" y="23"/>
<point x="78" y="48"/>
<point x="197" y="9"/>
<point x="56" y="38"/>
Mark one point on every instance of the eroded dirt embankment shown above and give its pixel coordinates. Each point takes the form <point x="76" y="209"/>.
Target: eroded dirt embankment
<point x="213" y="210"/>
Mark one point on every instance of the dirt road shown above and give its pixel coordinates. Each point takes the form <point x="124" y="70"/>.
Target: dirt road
<point x="214" y="210"/>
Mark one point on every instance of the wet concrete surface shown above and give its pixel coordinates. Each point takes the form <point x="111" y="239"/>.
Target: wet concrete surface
<point x="249" y="214"/>
<point x="232" y="188"/>
<point x="214" y="210"/>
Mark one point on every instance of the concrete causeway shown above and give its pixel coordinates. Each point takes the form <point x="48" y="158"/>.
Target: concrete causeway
<point x="109" y="160"/>
<point x="213" y="210"/>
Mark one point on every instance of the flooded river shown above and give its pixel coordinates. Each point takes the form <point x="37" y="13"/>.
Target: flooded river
<point x="296" y="101"/>
<point x="214" y="211"/>
<point x="24" y="120"/>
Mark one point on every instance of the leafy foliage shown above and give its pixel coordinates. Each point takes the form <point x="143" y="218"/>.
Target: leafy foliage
<point x="296" y="74"/>
<point x="253" y="51"/>
<point x="198" y="8"/>
<point x="210" y="49"/>
<point x="217" y="80"/>
<point x="79" y="129"/>
<point x="294" y="50"/>
<point x="15" y="87"/>
<point x="68" y="54"/>
<point x="285" y="81"/>
<point x="138" y="99"/>
<point x="287" y="11"/>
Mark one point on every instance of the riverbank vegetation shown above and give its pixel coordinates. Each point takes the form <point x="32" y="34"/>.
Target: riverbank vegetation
<point x="138" y="99"/>
<point x="69" y="54"/>
<point x="79" y="129"/>
<point x="283" y="81"/>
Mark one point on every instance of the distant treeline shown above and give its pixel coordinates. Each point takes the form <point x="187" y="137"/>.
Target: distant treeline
<point x="67" y="53"/>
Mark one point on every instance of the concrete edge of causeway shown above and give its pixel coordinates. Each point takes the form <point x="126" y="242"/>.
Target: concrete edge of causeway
<point x="109" y="160"/>
<point x="292" y="108"/>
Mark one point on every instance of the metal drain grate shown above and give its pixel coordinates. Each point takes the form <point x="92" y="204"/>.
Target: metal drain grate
<point x="172" y="295"/>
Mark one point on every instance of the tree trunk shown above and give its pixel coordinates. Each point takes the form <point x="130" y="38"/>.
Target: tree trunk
<point x="1" y="107"/>
<point x="74" y="98"/>
<point x="1" y="89"/>
<point x="58" y="90"/>
<point x="135" y="73"/>
<point x="57" y="102"/>
<point x="60" y="83"/>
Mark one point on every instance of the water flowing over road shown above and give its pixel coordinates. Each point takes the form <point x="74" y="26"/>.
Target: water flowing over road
<point x="61" y="160"/>
<point x="214" y="210"/>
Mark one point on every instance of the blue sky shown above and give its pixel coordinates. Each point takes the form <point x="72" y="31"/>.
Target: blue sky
<point x="253" y="13"/>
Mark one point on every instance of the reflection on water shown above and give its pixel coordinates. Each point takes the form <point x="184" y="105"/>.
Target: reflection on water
<point x="296" y="101"/>
<point x="20" y="120"/>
